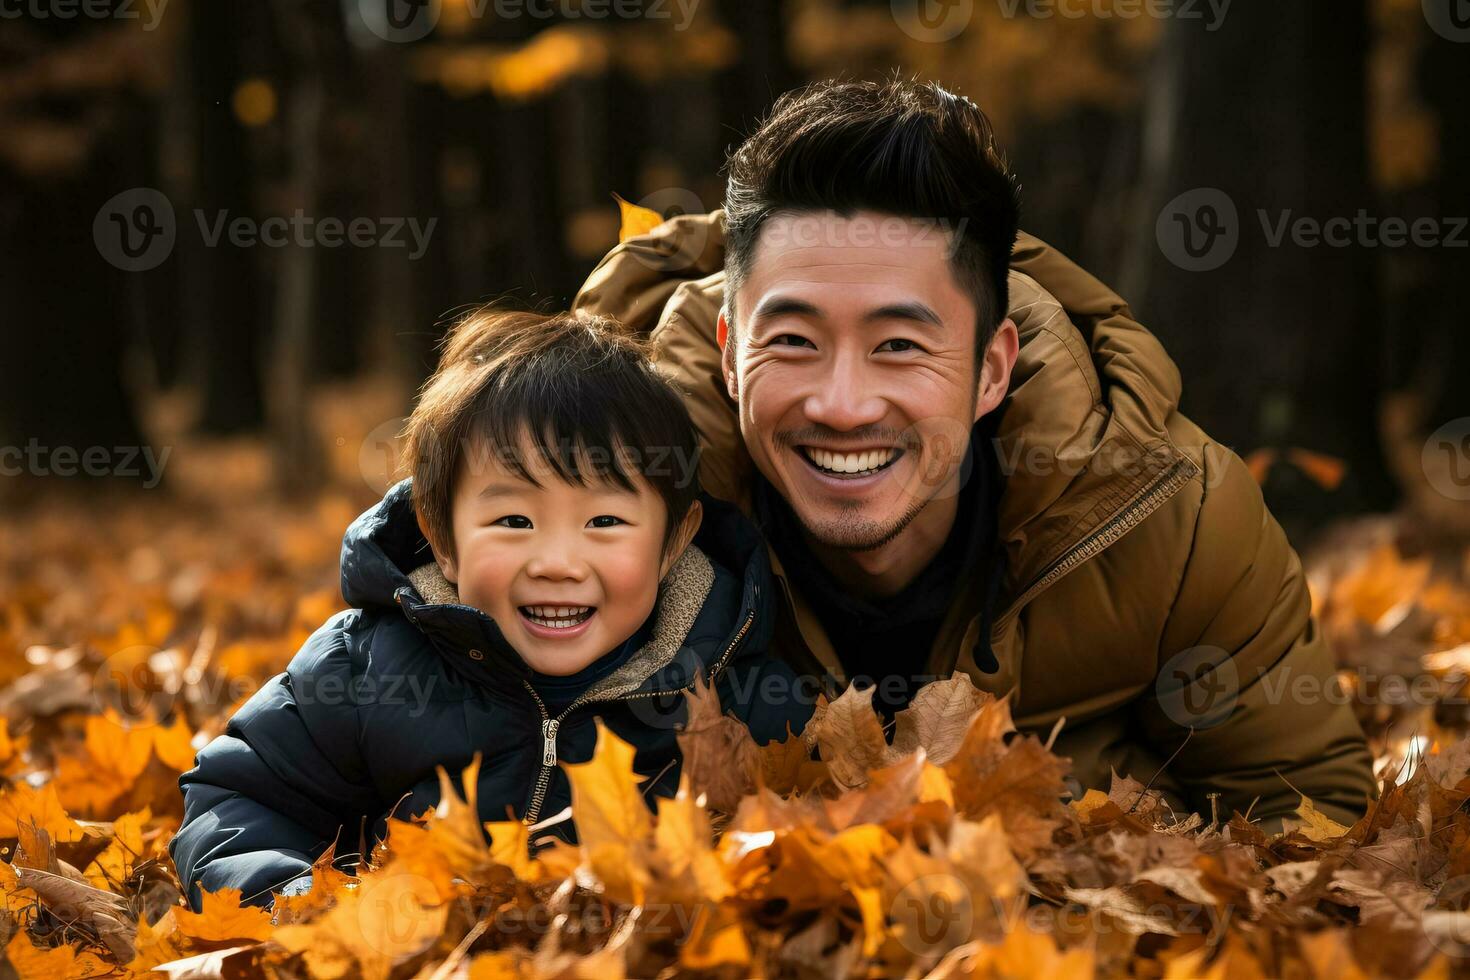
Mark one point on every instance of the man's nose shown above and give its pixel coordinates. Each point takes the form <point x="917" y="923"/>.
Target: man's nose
<point x="846" y="398"/>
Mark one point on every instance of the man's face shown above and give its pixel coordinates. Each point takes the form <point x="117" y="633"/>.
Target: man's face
<point x="853" y="361"/>
<point x="568" y="573"/>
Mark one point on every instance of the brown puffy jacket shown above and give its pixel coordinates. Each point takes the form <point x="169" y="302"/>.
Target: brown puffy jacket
<point x="1139" y="552"/>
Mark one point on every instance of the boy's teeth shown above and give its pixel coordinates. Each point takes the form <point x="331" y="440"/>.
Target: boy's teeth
<point x="557" y="617"/>
<point x="851" y="462"/>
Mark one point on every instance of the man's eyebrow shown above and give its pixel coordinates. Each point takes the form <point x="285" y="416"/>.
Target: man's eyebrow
<point x="782" y="306"/>
<point x="912" y="310"/>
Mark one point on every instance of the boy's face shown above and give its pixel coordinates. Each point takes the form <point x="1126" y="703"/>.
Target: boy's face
<point x="568" y="573"/>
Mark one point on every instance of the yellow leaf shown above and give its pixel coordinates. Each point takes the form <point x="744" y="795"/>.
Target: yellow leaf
<point x="111" y="868"/>
<point x="606" y="802"/>
<point x="850" y="737"/>
<point x="20" y="802"/>
<point x="224" y="919"/>
<point x="637" y="220"/>
<point x="1316" y="825"/>
<point x="33" y="963"/>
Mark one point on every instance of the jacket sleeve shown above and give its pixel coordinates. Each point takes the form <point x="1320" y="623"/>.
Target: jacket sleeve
<point x="1264" y="707"/>
<point x="1244" y="665"/>
<point x="269" y="795"/>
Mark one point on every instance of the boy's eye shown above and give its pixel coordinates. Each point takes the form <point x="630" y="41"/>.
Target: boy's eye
<point x="605" y="520"/>
<point x="512" y="518"/>
<point x="909" y="345"/>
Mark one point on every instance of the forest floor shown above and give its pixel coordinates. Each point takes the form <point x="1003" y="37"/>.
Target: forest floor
<point x="130" y="630"/>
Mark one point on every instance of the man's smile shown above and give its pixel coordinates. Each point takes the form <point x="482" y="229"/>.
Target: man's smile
<point x="859" y="463"/>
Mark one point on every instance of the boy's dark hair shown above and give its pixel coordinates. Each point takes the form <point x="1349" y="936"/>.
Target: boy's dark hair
<point x="582" y="391"/>
<point x="897" y="147"/>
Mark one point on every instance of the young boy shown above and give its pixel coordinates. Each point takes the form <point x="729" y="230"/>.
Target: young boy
<point x="550" y="561"/>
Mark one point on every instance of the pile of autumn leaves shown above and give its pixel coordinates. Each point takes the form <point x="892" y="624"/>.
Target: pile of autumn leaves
<point x="948" y="848"/>
<point x="947" y="852"/>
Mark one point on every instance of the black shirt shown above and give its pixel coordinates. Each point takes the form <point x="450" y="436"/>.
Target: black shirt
<point x="885" y="642"/>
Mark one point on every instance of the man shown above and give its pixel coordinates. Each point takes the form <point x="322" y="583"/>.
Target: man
<point x="967" y="456"/>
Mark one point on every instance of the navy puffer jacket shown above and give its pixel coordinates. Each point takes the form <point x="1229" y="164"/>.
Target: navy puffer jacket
<point x="410" y="679"/>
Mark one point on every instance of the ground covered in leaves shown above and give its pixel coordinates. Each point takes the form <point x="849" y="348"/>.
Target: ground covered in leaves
<point x="129" y="633"/>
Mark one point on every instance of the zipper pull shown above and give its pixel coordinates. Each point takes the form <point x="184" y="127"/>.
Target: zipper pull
<point x="548" y="740"/>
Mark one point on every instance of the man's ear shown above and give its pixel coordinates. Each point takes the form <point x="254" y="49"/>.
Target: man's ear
<point x="727" y="356"/>
<point x="995" y="369"/>
<point x="688" y="527"/>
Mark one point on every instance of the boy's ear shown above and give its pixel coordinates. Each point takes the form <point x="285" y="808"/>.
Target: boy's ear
<point x="685" y="534"/>
<point x="727" y="356"/>
<point x="446" y="564"/>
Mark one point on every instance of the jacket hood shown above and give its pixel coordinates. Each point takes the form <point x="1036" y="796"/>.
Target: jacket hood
<point x="713" y="590"/>
<point x="1083" y="433"/>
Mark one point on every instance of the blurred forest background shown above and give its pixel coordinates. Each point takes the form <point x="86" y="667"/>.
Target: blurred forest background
<point x="270" y="370"/>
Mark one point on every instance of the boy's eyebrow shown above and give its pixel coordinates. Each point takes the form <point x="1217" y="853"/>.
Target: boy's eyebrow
<point x="492" y="490"/>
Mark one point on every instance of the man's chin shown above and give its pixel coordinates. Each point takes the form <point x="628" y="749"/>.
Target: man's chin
<point x="851" y="530"/>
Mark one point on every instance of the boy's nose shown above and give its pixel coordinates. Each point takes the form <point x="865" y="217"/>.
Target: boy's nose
<point x="557" y="566"/>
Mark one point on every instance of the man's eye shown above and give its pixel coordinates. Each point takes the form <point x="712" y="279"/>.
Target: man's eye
<point x="509" y="519"/>
<point x="907" y="345"/>
<point x="788" y="340"/>
<point x="610" y="520"/>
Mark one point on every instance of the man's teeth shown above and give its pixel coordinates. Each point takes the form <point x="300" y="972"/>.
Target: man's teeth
<point x="557" y="617"/>
<point x="872" y="459"/>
